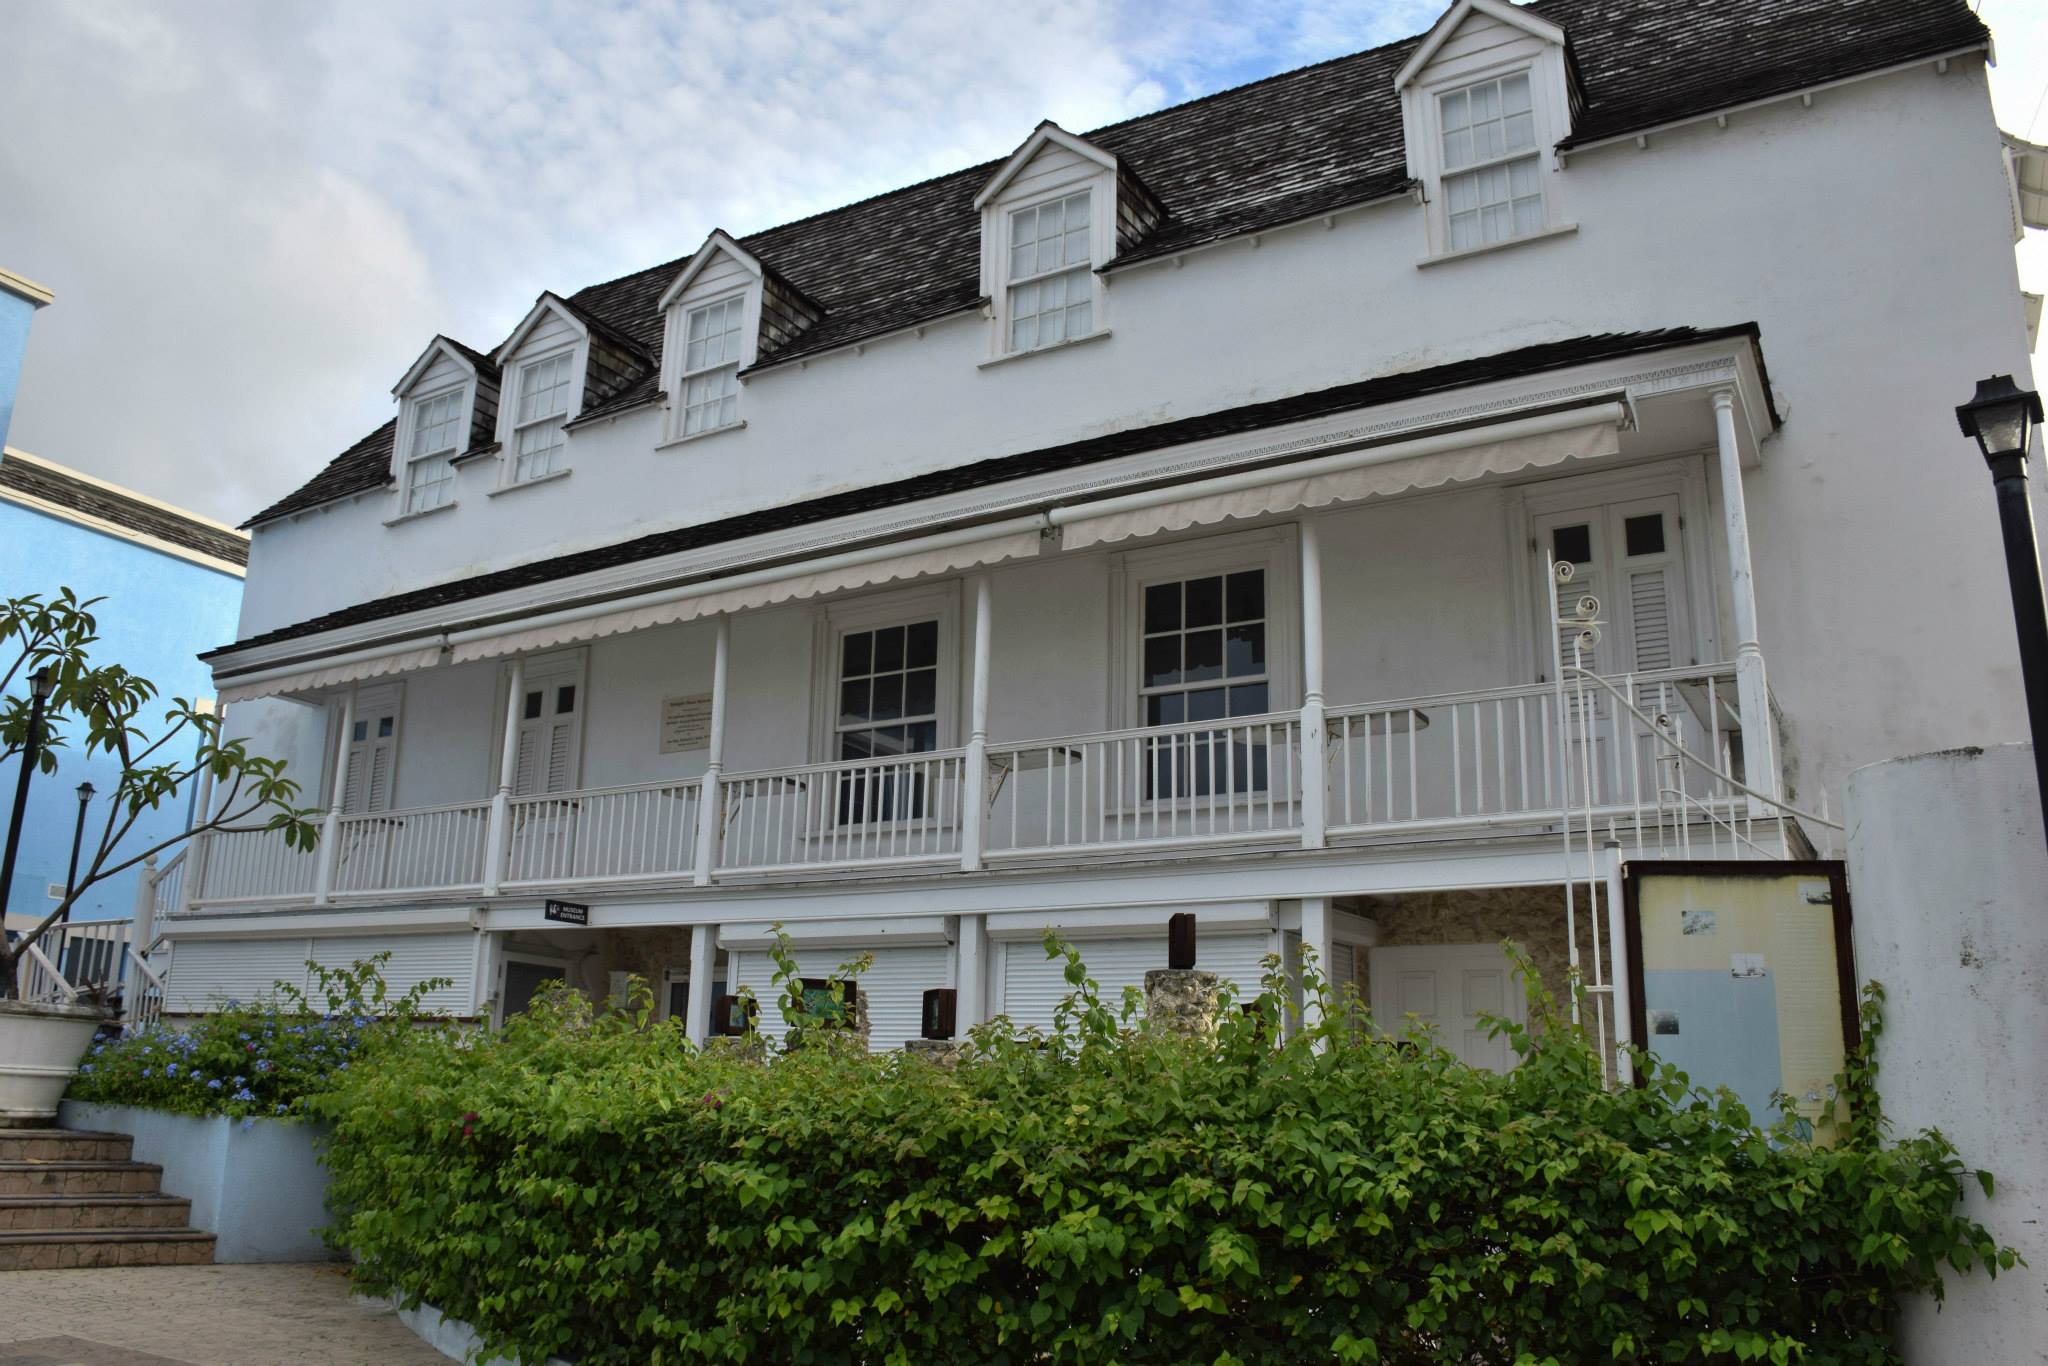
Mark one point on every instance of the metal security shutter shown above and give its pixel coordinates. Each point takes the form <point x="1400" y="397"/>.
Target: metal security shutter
<point x="414" y="959"/>
<point x="207" y="973"/>
<point x="1034" y="985"/>
<point x="895" y="986"/>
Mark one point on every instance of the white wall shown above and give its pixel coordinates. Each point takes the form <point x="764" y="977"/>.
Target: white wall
<point x="1868" y="236"/>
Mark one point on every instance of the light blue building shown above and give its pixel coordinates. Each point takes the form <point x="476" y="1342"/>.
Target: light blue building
<point x="172" y="581"/>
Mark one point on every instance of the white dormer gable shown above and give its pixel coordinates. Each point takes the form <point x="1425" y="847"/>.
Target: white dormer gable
<point x="544" y="363"/>
<point x="1485" y="98"/>
<point x="447" y="403"/>
<point x="718" y="315"/>
<point x="1052" y="215"/>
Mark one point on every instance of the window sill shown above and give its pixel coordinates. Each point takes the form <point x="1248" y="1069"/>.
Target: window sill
<point x="404" y="517"/>
<point x="1100" y="334"/>
<point x="1561" y="230"/>
<point x="547" y="478"/>
<point x="738" y="426"/>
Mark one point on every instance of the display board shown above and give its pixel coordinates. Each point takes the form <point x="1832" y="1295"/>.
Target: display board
<point x="1743" y="976"/>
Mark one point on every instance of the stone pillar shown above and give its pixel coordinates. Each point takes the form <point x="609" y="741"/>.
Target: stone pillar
<point x="1946" y="870"/>
<point x="944" y="1053"/>
<point x="1181" y="1000"/>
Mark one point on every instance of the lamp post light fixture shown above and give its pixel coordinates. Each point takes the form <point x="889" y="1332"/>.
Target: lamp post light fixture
<point x="85" y="795"/>
<point x="41" y="686"/>
<point x="2002" y="417"/>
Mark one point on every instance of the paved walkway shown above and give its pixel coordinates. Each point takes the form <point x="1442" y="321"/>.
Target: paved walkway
<point x="199" y="1316"/>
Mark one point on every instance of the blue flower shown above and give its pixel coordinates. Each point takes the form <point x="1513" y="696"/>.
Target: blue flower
<point x="213" y="1085"/>
<point x="240" y="1080"/>
<point x="85" y="1067"/>
<point x="170" y="1069"/>
<point x="234" y="1005"/>
<point x="145" y="1072"/>
<point x="282" y="1107"/>
<point x="243" y="1036"/>
<point x="244" y="1094"/>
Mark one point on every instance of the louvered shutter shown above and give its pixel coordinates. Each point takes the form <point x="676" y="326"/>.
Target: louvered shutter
<point x="561" y="753"/>
<point x="525" y="771"/>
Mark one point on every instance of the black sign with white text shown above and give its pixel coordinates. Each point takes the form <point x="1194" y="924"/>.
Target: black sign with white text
<point x="566" y="912"/>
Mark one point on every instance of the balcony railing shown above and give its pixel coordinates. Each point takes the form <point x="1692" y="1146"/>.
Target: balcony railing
<point x="1446" y="764"/>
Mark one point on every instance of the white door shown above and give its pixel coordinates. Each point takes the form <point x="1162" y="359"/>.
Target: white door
<point x="1447" y="988"/>
<point x="550" y="743"/>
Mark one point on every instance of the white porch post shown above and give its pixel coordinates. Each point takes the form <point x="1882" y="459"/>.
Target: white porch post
<point x="1315" y="934"/>
<point x="323" y="876"/>
<point x="498" y="835"/>
<point x="974" y="768"/>
<point x="1314" y="761"/>
<point x="1759" y="742"/>
<point x="711" y="796"/>
<point x="1621" y="990"/>
<point x="970" y="973"/>
<point x="192" y="888"/>
<point x="141" y="930"/>
<point x="703" y="977"/>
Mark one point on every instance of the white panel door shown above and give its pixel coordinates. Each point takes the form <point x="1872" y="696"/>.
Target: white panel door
<point x="1447" y="987"/>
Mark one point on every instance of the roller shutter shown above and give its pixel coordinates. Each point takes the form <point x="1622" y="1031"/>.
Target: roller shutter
<point x="1034" y="985"/>
<point x="208" y="973"/>
<point x="895" y="986"/>
<point x="414" y="959"/>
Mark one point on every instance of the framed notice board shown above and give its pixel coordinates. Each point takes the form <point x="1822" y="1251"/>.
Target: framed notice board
<point x="1743" y="974"/>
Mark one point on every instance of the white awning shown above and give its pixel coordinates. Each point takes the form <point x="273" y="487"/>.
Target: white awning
<point x="1422" y="463"/>
<point x="728" y="596"/>
<point x="334" y="673"/>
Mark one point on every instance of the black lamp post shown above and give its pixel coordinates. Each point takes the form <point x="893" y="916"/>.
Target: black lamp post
<point x="2002" y="417"/>
<point x="85" y="794"/>
<point x="40" y="687"/>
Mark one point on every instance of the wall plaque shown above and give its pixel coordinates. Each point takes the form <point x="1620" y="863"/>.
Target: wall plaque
<point x="685" y="723"/>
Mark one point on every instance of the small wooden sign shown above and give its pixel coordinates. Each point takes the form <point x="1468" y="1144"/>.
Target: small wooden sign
<point x="566" y="912"/>
<point x="685" y="723"/>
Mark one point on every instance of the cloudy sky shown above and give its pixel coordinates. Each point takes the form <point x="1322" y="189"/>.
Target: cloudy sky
<point x="254" y="213"/>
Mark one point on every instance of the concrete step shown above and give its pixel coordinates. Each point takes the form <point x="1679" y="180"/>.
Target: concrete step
<point x="86" y="1213"/>
<point x="63" y="1145"/>
<point x="47" y="1251"/>
<point x="80" y="1178"/>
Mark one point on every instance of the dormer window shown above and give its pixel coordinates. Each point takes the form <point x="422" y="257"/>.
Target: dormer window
<point x="1492" y="188"/>
<point x="713" y="335"/>
<point x="1052" y="292"/>
<point x="429" y="468"/>
<point x="545" y="391"/>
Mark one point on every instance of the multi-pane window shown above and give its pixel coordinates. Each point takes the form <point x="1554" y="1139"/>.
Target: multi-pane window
<point x="538" y="438"/>
<point x="1203" y="658"/>
<point x="429" y="467"/>
<point x="711" y="366"/>
<point x="1491" y="186"/>
<point x="888" y="705"/>
<point x="1052" y="297"/>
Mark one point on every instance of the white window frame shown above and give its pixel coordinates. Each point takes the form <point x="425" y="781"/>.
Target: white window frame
<point x="695" y="289"/>
<point x="1275" y="550"/>
<point x="1506" y="162"/>
<point x="1094" y="177"/>
<point x="1085" y="269"/>
<point x="521" y="371"/>
<point x="401" y="448"/>
<point x="748" y="322"/>
<point x="512" y="369"/>
<point x="837" y="620"/>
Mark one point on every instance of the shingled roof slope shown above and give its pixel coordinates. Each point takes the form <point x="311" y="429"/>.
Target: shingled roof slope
<point x="53" y="484"/>
<point x="1261" y="155"/>
<point x="1251" y="417"/>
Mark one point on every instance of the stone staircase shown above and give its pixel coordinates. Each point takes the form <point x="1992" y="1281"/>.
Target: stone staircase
<point x="75" y="1199"/>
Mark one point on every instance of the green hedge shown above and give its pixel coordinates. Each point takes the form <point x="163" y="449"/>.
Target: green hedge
<point x="589" y="1187"/>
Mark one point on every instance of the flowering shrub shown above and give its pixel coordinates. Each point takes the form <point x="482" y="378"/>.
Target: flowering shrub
<point x="258" y="1059"/>
<point x="584" y="1184"/>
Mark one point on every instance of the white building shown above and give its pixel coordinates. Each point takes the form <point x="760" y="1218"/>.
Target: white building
<point x="1161" y="519"/>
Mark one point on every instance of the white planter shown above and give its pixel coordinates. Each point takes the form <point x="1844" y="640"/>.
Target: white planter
<point x="257" y="1185"/>
<point x="40" y="1046"/>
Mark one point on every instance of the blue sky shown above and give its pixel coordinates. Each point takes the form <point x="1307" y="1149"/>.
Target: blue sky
<point x="254" y="215"/>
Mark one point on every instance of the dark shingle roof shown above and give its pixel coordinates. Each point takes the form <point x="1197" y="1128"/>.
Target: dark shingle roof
<point x="1261" y="155"/>
<point x="53" y="484"/>
<point x="984" y="473"/>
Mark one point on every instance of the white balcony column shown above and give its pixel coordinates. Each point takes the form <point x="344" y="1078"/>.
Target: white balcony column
<point x="498" y="833"/>
<point x="970" y="974"/>
<point x="193" y="886"/>
<point x="703" y="979"/>
<point x="1759" y="740"/>
<point x="974" y="768"/>
<point x="711" y="797"/>
<point x="1315" y="935"/>
<point x="1315" y="791"/>
<point x="1620" y="991"/>
<point x="330" y="825"/>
